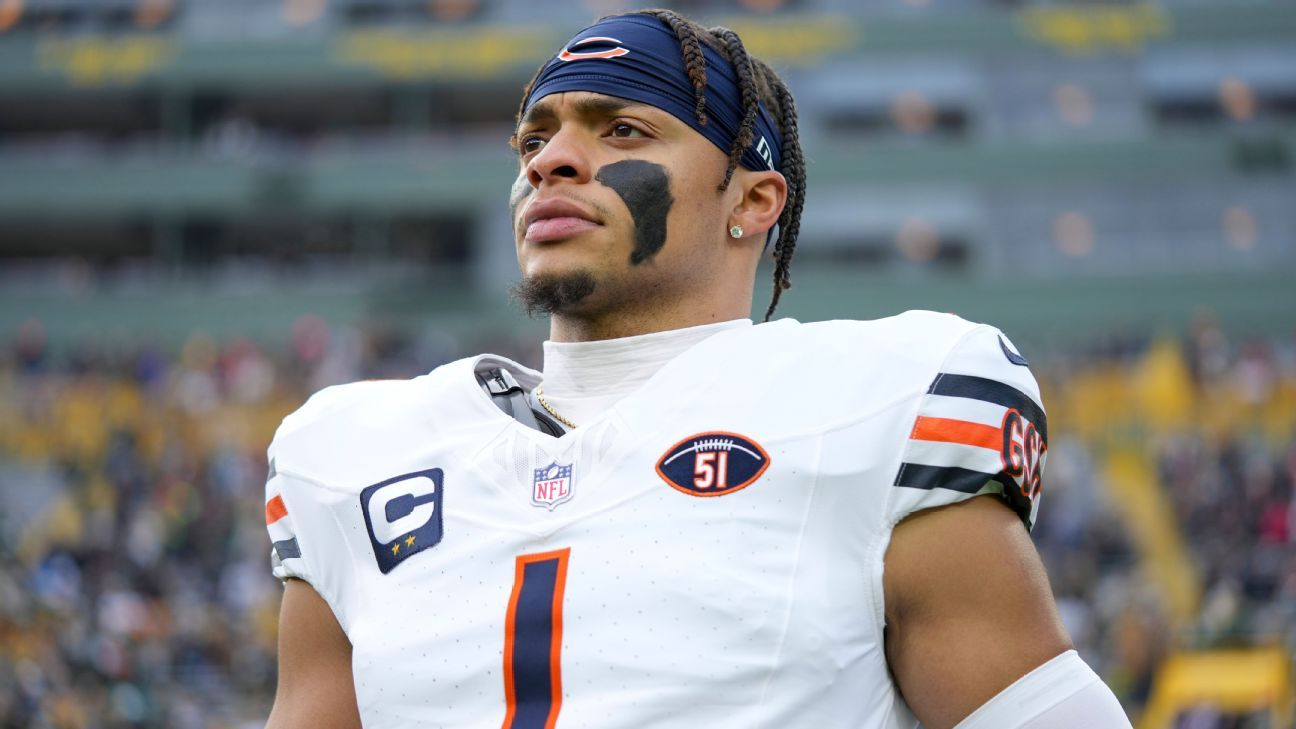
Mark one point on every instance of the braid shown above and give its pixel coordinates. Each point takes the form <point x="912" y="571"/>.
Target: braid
<point x="742" y="64"/>
<point x="694" y="61"/>
<point x="757" y="81"/>
<point x="793" y="169"/>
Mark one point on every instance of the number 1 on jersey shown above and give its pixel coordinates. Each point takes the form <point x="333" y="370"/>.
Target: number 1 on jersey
<point x="533" y="641"/>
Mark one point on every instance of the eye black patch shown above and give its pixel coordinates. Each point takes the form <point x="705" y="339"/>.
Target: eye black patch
<point x="520" y="191"/>
<point x="645" y="189"/>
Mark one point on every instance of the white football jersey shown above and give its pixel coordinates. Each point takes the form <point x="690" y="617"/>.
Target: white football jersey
<point x="708" y="552"/>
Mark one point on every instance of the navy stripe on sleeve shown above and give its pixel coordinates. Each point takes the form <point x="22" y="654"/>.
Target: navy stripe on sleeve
<point x="287" y="548"/>
<point x="963" y="480"/>
<point x="993" y="391"/>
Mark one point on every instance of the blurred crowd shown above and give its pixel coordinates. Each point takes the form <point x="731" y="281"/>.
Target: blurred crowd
<point x="134" y="565"/>
<point x="135" y="588"/>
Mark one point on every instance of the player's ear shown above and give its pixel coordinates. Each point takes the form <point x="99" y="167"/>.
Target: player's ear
<point x="763" y="195"/>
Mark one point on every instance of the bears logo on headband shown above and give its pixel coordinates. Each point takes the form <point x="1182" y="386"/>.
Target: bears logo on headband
<point x="654" y="74"/>
<point x="568" y="55"/>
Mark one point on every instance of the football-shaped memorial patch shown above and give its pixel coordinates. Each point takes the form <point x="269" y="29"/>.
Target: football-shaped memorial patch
<point x="713" y="464"/>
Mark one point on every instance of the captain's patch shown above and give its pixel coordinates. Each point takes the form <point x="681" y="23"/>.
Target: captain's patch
<point x="403" y="516"/>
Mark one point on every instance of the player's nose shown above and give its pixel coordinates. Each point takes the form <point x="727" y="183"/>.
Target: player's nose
<point x="563" y="157"/>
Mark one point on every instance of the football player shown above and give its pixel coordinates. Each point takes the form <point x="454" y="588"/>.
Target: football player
<point x="685" y="520"/>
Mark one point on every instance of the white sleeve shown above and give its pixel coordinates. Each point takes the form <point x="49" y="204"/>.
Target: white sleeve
<point x="304" y="538"/>
<point x="980" y="428"/>
<point x="1064" y="693"/>
<point x="286" y="557"/>
<point x="306" y="541"/>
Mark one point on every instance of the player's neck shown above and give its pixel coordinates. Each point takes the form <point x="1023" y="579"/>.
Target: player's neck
<point x="619" y="325"/>
<point x="582" y="379"/>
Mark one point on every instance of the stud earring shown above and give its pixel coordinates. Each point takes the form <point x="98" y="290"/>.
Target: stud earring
<point x="736" y="231"/>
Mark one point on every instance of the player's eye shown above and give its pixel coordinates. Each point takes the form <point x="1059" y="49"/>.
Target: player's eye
<point x="626" y="131"/>
<point x="530" y="143"/>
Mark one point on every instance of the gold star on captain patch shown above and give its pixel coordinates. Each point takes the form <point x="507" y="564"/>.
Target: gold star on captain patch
<point x="396" y="548"/>
<point x="409" y="541"/>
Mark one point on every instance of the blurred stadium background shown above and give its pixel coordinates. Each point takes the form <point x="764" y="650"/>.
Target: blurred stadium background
<point x="211" y="208"/>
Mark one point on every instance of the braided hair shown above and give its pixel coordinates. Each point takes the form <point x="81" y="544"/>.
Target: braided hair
<point x="757" y="83"/>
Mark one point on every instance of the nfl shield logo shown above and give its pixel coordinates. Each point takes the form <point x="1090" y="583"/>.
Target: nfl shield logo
<point x="552" y="486"/>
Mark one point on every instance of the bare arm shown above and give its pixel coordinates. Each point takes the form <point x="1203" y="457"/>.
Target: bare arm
<point x="315" y="685"/>
<point x="968" y="608"/>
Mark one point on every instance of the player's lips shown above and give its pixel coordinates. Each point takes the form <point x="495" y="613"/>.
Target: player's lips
<point x="555" y="219"/>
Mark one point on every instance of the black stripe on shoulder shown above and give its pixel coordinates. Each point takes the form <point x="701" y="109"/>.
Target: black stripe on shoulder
<point x="919" y="476"/>
<point x="987" y="390"/>
<point x="287" y="548"/>
<point x="966" y="481"/>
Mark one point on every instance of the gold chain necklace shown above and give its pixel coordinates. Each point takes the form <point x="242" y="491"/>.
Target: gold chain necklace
<point x="539" y="393"/>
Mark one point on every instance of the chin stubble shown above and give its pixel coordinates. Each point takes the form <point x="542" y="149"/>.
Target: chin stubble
<point x="541" y="295"/>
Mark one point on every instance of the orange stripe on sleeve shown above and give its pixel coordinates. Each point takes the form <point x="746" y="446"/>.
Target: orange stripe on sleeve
<point x="947" y="430"/>
<point x="275" y="510"/>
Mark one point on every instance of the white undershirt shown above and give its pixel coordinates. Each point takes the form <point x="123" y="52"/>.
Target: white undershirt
<point x="583" y="379"/>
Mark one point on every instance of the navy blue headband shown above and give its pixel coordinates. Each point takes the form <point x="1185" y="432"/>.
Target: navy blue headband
<point x="637" y="57"/>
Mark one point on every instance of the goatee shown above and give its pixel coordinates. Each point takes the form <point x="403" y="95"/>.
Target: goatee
<point x="553" y="294"/>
